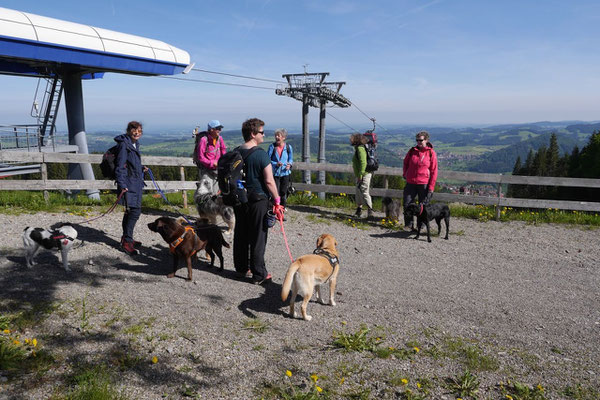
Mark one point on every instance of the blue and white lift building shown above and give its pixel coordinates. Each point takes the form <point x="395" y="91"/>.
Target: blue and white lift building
<point x="64" y="53"/>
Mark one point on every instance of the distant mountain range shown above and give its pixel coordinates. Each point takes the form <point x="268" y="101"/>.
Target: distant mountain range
<point x="491" y="149"/>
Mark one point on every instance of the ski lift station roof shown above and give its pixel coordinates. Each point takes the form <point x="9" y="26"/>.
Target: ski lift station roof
<point x="33" y="45"/>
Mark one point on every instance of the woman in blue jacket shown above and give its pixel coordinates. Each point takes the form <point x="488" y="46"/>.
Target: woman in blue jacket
<point x="129" y="173"/>
<point x="282" y="158"/>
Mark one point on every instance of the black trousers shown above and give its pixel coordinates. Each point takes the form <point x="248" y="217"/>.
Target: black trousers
<point x="282" y="183"/>
<point x="250" y="238"/>
<point x="133" y="210"/>
<point x="411" y="191"/>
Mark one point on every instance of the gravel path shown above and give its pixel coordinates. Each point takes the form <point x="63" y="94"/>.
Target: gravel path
<point x="520" y="301"/>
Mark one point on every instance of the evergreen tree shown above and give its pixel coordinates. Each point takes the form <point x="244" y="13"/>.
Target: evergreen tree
<point x="552" y="157"/>
<point x="515" y="190"/>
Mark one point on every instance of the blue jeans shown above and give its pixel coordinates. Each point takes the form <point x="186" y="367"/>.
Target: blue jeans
<point x="133" y="210"/>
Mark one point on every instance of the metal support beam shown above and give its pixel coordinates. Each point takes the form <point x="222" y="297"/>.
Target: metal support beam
<point x="305" y="137"/>
<point x="322" y="114"/>
<point x="76" y="124"/>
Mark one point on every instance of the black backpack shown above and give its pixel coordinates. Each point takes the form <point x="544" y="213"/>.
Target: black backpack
<point x="230" y="176"/>
<point x="372" y="161"/>
<point x="109" y="162"/>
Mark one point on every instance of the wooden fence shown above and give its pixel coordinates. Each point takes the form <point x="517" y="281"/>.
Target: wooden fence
<point x="498" y="180"/>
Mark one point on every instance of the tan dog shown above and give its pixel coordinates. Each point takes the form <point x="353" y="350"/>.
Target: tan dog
<point x="312" y="270"/>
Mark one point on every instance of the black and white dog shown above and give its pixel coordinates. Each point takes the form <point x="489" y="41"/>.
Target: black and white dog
<point x="427" y="212"/>
<point x="60" y="238"/>
<point x="391" y="208"/>
<point x="210" y="206"/>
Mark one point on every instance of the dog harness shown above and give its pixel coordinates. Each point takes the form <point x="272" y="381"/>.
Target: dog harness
<point x="173" y="245"/>
<point x="333" y="260"/>
<point x="60" y="238"/>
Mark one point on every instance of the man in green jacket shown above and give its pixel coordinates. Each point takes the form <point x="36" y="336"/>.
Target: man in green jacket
<point x="363" y="178"/>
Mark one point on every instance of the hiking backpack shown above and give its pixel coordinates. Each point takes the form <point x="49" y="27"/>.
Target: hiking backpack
<point x="109" y="162"/>
<point x="231" y="175"/>
<point x="371" y="148"/>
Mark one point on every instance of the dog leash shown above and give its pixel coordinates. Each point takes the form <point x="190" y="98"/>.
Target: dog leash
<point x="111" y="209"/>
<point x="165" y="197"/>
<point x="279" y="214"/>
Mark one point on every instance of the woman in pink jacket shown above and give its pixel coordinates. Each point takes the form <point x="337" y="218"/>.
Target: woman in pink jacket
<point x="420" y="171"/>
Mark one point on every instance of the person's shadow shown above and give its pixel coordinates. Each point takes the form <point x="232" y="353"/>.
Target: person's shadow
<point x="268" y="302"/>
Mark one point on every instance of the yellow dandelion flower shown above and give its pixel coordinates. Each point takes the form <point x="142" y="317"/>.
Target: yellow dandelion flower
<point x="342" y="381"/>
<point x="404" y="381"/>
<point x="416" y="349"/>
<point x="319" y="389"/>
<point x="418" y="385"/>
<point x="16" y="342"/>
<point x="540" y="387"/>
<point x="288" y="373"/>
<point x="509" y="397"/>
<point x="314" y="377"/>
<point x="154" y="360"/>
<point x="7" y="331"/>
<point x="344" y="322"/>
<point x="34" y="342"/>
<point x="392" y="348"/>
<point x="26" y="341"/>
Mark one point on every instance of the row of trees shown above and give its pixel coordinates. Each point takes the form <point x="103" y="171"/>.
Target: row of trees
<point x="548" y="162"/>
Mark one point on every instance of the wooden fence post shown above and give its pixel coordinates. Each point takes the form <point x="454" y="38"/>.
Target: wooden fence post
<point x="498" y="193"/>
<point x="184" y="192"/>
<point x="386" y="182"/>
<point x="44" y="171"/>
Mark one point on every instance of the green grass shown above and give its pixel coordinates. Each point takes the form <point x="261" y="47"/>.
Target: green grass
<point x="464" y="386"/>
<point x="256" y="325"/>
<point x="520" y="391"/>
<point x="92" y="383"/>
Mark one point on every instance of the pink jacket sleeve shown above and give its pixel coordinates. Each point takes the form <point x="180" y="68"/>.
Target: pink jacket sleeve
<point x="433" y="171"/>
<point x="405" y="165"/>
<point x="205" y="162"/>
<point x="223" y="147"/>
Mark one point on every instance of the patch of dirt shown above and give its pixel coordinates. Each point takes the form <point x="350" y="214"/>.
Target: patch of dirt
<point x="508" y="300"/>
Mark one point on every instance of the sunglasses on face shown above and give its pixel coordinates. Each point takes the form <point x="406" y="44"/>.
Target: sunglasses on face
<point x="420" y="140"/>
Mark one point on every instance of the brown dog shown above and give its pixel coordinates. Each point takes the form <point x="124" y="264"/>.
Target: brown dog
<point x="183" y="241"/>
<point x="312" y="270"/>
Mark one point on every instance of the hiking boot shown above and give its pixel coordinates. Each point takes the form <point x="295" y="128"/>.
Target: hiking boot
<point x="266" y="279"/>
<point x="358" y="212"/>
<point x="136" y="244"/>
<point x="129" y="249"/>
<point x="370" y="214"/>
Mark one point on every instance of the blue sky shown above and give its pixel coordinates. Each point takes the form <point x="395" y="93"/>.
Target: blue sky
<point x="439" y="62"/>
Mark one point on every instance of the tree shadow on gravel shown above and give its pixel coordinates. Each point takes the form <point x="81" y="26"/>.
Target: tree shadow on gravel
<point x="268" y="302"/>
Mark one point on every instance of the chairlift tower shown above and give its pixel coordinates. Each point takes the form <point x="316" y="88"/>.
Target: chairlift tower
<point x="312" y="90"/>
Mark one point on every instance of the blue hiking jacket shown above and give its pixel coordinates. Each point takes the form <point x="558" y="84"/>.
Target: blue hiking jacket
<point x="284" y="159"/>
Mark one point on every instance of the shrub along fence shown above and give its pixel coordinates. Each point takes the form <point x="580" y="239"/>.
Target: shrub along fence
<point x="45" y="184"/>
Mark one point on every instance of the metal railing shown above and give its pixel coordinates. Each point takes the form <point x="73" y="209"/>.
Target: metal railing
<point x="16" y="137"/>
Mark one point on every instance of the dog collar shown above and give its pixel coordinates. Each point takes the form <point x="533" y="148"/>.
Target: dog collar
<point x="173" y="245"/>
<point x="333" y="260"/>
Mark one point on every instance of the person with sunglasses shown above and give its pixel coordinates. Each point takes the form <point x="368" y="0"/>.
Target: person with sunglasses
<point x="250" y="232"/>
<point x="420" y="170"/>
<point x="209" y="148"/>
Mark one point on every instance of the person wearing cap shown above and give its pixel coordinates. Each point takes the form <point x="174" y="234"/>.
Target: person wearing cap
<point x="209" y="148"/>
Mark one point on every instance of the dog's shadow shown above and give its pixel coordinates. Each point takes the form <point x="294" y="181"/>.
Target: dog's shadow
<point x="394" y="234"/>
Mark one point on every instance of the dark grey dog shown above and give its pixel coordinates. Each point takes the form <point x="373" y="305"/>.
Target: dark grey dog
<point x="391" y="208"/>
<point x="209" y="206"/>
<point x="428" y="212"/>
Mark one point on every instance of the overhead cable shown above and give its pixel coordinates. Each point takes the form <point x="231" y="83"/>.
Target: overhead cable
<point x="237" y="76"/>
<point x="372" y="119"/>
<point x="216" y="83"/>
<point x="341" y="122"/>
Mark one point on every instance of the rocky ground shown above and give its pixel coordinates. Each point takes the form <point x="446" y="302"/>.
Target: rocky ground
<point x="511" y="302"/>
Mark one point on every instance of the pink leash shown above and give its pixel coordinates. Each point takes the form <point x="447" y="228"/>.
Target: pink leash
<point x="279" y="214"/>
